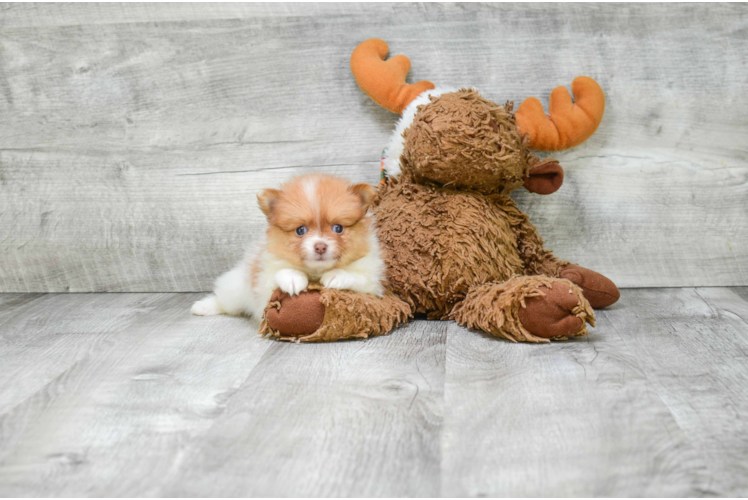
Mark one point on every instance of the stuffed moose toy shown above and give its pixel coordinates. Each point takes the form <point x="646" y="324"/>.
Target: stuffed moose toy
<point x="455" y="245"/>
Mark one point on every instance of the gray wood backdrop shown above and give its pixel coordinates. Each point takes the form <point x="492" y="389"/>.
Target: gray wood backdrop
<point x="133" y="138"/>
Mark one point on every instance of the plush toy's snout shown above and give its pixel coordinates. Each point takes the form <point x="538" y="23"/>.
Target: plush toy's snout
<point x="545" y="177"/>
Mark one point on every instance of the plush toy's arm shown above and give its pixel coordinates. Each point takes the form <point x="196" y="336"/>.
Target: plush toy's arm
<point x="538" y="260"/>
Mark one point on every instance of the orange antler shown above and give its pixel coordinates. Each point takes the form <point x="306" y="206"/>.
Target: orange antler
<point x="384" y="81"/>
<point x="569" y="124"/>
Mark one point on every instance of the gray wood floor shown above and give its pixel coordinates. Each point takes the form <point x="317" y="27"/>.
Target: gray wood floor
<point x="128" y="394"/>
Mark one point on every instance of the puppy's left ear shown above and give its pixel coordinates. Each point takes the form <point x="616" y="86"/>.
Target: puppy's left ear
<point x="267" y="200"/>
<point x="545" y="177"/>
<point x="366" y="192"/>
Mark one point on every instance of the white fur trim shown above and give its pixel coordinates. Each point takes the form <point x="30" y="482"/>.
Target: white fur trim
<point x="391" y="155"/>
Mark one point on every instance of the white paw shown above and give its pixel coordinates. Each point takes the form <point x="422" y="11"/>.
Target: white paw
<point x="206" y="307"/>
<point x="291" y="281"/>
<point x="342" y="280"/>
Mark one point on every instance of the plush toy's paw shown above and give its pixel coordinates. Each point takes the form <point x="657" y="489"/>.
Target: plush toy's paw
<point x="298" y="315"/>
<point x="597" y="289"/>
<point x="291" y="281"/>
<point x="552" y="315"/>
<point x="339" y="279"/>
<point x="324" y="315"/>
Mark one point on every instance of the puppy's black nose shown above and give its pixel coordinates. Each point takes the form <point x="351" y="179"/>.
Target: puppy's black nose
<point x="320" y="248"/>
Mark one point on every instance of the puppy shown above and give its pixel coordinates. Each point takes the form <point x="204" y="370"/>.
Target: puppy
<point x="318" y="230"/>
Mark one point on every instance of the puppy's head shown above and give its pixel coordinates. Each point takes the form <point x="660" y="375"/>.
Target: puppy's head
<point x="318" y="221"/>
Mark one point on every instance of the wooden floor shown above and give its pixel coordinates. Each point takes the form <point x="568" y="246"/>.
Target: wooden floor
<point x="128" y="394"/>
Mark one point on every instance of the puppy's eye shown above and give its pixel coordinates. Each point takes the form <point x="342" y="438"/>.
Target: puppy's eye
<point x="301" y="231"/>
<point x="337" y="228"/>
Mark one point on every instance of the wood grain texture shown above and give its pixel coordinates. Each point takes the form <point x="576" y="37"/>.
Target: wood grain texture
<point x="135" y="137"/>
<point x="42" y="337"/>
<point x="553" y="420"/>
<point x="29" y="15"/>
<point x="114" y="422"/>
<point x="346" y="419"/>
<point x="130" y="395"/>
<point x="693" y="345"/>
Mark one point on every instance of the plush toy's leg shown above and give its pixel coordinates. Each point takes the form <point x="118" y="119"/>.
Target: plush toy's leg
<point x="527" y="308"/>
<point x="323" y="315"/>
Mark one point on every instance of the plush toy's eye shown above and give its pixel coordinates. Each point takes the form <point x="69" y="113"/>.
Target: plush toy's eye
<point x="301" y="231"/>
<point x="337" y="228"/>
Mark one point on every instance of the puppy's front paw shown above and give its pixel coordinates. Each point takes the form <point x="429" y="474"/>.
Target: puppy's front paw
<point x="337" y="278"/>
<point x="291" y="281"/>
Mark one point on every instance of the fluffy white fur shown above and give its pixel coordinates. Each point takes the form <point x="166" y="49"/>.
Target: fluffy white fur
<point x="397" y="141"/>
<point x="234" y="294"/>
<point x="364" y="275"/>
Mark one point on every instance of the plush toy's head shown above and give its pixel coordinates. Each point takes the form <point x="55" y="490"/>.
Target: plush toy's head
<point x="457" y="138"/>
<point x="462" y="140"/>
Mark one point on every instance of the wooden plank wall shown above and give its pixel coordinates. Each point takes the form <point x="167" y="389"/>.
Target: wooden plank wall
<point x="133" y="138"/>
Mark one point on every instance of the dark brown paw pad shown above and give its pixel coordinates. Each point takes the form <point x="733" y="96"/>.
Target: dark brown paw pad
<point x="553" y="315"/>
<point x="296" y="316"/>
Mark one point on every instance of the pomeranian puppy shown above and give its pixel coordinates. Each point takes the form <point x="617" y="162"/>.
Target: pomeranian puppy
<point x="318" y="230"/>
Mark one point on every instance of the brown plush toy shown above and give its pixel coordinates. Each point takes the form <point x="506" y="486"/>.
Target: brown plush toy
<point x="455" y="244"/>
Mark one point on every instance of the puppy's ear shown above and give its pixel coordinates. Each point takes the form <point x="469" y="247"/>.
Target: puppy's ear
<point x="366" y="192"/>
<point x="267" y="200"/>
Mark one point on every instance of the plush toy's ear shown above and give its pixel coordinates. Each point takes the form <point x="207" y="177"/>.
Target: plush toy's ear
<point x="545" y="177"/>
<point x="366" y="192"/>
<point x="384" y="81"/>
<point x="267" y="200"/>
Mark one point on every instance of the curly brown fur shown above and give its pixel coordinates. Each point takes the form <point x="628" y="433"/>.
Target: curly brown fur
<point x="494" y="307"/>
<point x="349" y="315"/>
<point x="438" y="242"/>
<point x="462" y="140"/>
